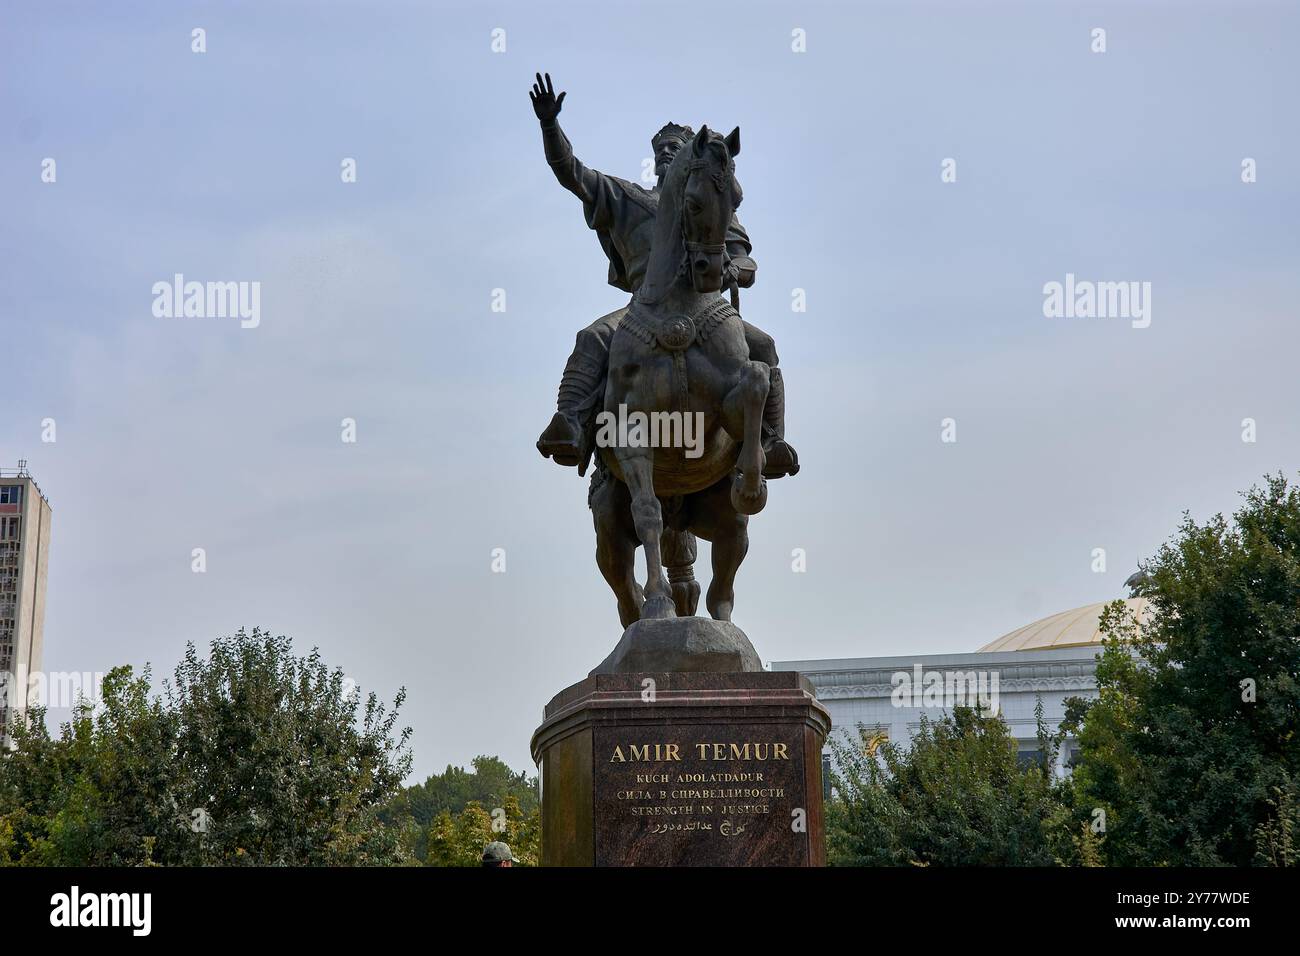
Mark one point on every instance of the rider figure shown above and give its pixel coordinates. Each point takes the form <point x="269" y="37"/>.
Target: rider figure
<point x="622" y="215"/>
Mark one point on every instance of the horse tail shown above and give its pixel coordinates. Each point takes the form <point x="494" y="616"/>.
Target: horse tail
<point x="679" y="550"/>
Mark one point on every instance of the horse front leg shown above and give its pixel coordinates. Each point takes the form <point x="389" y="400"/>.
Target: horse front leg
<point x="728" y="530"/>
<point x="742" y="411"/>
<point x="638" y="471"/>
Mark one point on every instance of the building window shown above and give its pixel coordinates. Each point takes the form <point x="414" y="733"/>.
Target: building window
<point x="1026" y="759"/>
<point x="11" y="495"/>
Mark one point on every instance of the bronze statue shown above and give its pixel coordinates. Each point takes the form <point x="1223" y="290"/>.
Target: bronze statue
<point x="678" y="349"/>
<point x="622" y="214"/>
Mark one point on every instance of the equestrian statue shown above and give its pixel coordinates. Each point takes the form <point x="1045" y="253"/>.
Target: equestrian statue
<point x="680" y="351"/>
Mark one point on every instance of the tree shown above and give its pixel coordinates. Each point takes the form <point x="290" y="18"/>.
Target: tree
<point x="458" y="839"/>
<point x="87" y="797"/>
<point x="275" y="758"/>
<point x="491" y="784"/>
<point x="250" y="756"/>
<point x="956" y="796"/>
<point x="1108" y="772"/>
<point x="1191" y="747"/>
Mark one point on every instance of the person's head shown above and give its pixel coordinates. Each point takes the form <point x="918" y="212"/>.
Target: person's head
<point x="497" y="854"/>
<point x="666" y="143"/>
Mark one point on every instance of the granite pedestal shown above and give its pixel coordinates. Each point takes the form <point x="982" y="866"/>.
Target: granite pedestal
<point x="683" y="769"/>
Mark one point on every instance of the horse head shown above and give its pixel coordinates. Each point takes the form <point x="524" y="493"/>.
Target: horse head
<point x="709" y="197"/>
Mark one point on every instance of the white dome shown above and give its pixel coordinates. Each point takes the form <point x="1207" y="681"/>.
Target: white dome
<point x="1079" y="627"/>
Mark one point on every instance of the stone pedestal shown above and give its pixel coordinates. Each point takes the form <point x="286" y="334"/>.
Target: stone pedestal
<point x="681" y="644"/>
<point x="683" y="769"/>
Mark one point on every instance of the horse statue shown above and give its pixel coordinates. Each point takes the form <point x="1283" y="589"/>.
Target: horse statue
<point x="681" y="350"/>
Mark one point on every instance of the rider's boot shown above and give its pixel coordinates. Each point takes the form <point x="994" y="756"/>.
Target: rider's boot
<point x="563" y="439"/>
<point x="560" y="439"/>
<point x="781" y="458"/>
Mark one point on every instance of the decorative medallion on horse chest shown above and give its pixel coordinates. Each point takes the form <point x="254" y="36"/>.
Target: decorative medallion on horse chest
<point x="677" y="333"/>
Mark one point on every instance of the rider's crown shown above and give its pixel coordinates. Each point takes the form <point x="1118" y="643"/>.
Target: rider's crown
<point x="671" y="131"/>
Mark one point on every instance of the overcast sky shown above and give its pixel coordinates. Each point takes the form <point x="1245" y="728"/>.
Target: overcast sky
<point x="924" y="302"/>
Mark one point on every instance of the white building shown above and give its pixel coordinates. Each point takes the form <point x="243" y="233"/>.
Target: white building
<point x="1052" y="659"/>
<point x="24" y="560"/>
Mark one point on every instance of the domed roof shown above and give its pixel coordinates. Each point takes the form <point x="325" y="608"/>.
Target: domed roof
<point x="1076" y="628"/>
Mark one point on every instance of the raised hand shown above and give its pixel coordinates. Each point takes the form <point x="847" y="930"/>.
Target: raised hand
<point x="545" y="103"/>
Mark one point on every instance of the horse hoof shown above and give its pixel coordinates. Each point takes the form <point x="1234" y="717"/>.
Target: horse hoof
<point x="748" y="504"/>
<point x="659" y="606"/>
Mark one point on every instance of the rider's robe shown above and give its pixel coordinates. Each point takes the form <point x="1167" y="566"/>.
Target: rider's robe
<point x="621" y="213"/>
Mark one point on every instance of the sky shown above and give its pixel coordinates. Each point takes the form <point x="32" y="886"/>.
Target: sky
<point x="924" y="302"/>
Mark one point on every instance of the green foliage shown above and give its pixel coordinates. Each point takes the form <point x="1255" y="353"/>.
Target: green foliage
<point x="86" y="797"/>
<point x="250" y="756"/>
<point x="955" y="797"/>
<point x="1191" y="748"/>
<point x="458" y="839"/>
<point x="1277" y="839"/>
<point x="490" y="784"/>
<point x="1187" y="757"/>
<point x="1108" y="770"/>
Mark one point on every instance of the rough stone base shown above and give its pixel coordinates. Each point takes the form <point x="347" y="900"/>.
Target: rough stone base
<point x="696" y="644"/>
<point x="683" y="769"/>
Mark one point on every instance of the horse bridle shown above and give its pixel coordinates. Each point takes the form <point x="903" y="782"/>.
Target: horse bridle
<point x="709" y="248"/>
